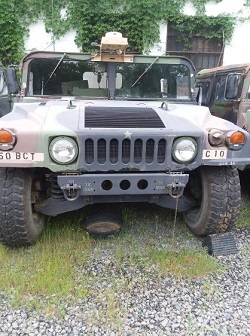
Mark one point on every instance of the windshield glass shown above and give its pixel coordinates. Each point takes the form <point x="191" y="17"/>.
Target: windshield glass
<point x="63" y="77"/>
<point x="154" y="81"/>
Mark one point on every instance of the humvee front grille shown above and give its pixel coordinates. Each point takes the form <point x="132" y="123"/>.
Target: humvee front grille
<point x="126" y="151"/>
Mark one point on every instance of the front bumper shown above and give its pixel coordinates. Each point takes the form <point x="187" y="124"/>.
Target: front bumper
<point x="71" y="192"/>
<point x="74" y="186"/>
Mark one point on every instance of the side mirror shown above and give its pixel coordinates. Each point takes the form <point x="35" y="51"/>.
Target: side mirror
<point x="199" y="92"/>
<point x="232" y="84"/>
<point x="12" y="81"/>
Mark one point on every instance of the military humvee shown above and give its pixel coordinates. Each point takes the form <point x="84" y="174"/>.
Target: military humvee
<point x="114" y="127"/>
<point x="226" y="91"/>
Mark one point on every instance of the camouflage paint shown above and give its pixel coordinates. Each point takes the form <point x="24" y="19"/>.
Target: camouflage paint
<point x="234" y="110"/>
<point x="35" y="124"/>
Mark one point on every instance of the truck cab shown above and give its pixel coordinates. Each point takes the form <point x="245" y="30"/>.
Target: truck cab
<point x="226" y="91"/>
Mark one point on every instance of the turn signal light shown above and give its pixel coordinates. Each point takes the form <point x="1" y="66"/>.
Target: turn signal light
<point x="237" y="138"/>
<point x="7" y="139"/>
<point x="6" y="136"/>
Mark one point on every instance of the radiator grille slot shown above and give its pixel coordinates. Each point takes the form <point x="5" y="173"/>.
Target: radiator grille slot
<point x="113" y="151"/>
<point x="89" y="151"/>
<point x="161" y="151"/>
<point x="101" y="151"/>
<point x="138" y="151"/>
<point x="150" y="150"/>
<point x="126" y="150"/>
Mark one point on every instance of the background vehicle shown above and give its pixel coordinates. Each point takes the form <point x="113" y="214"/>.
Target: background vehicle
<point x="8" y="86"/>
<point x="114" y="127"/>
<point x="226" y="91"/>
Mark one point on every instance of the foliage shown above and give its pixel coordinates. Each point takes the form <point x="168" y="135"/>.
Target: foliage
<point x="220" y="27"/>
<point x="134" y="18"/>
<point x="12" y="33"/>
<point x="247" y="3"/>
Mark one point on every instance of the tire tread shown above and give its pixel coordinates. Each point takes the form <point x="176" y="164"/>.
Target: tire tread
<point x="224" y="204"/>
<point x="14" y="230"/>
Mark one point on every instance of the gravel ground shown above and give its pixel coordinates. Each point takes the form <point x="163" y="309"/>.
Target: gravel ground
<point x="217" y="306"/>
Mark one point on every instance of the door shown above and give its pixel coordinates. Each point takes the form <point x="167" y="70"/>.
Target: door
<point x="220" y="106"/>
<point x="5" y="103"/>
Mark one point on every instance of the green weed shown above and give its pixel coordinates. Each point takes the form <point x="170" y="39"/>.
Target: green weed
<point x="47" y="270"/>
<point x="56" y="271"/>
<point x="183" y="263"/>
<point x="244" y="218"/>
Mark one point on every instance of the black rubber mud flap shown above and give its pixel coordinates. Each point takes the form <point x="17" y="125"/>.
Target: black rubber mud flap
<point x="103" y="224"/>
<point x="220" y="244"/>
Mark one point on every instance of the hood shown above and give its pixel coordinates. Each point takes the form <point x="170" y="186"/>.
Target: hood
<point x="65" y="116"/>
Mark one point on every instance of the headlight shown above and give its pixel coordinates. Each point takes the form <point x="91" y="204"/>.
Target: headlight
<point x="184" y="149"/>
<point x="63" y="150"/>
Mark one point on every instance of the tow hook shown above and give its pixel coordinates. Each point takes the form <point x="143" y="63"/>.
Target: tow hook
<point x="176" y="189"/>
<point x="71" y="190"/>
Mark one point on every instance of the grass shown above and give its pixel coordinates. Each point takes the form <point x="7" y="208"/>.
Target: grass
<point x="47" y="270"/>
<point x="244" y="218"/>
<point x="57" y="271"/>
<point x="183" y="263"/>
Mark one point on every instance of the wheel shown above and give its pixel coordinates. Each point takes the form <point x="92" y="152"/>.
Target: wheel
<point x="217" y="193"/>
<point x="19" y="224"/>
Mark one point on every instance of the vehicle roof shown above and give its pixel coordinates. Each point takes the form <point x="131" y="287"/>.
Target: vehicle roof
<point x="224" y="68"/>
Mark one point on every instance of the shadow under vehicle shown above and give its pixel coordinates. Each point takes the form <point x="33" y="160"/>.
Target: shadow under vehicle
<point x="115" y="127"/>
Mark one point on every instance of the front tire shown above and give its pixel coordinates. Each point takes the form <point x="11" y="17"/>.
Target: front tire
<point x="20" y="225"/>
<point x="217" y="193"/>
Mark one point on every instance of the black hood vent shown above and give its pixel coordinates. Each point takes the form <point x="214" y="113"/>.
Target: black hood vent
<point x="121" y="117"/>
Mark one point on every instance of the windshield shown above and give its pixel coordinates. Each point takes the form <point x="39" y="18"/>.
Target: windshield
<point x="63" y="77"/>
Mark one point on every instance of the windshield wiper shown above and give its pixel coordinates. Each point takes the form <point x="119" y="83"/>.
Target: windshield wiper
<point x="146" y="70"/>
<point x="52" y="73"/>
